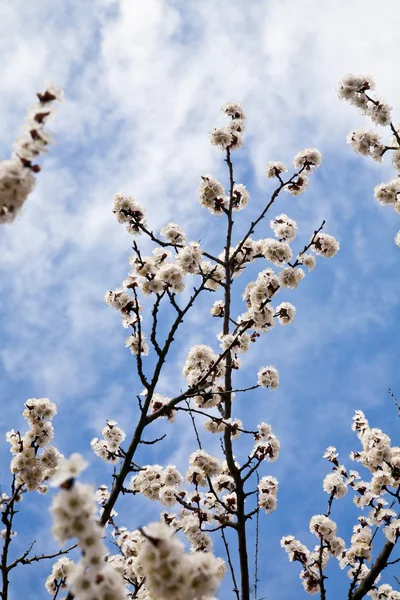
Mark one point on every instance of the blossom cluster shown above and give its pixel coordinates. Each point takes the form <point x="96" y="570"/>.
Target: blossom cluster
<point x="17" y="175"/>
<point x="359" y="91"/>
<point x="267" y="493"/>
<point x="212" y="195"/>
<point x="383" y="462"/>
<point x="157" y="275"/>
<point x="108" y="448"/>
<point x="158" y="483"/>
<point x="34" y="461"/>
<point x="305" y="161"/>
<point x="57" y="580"/>
<point x="230" y="137"/>
<point x="170" y="572"/>
<point x="74" y="516"/>
<point x="135" y="562"/>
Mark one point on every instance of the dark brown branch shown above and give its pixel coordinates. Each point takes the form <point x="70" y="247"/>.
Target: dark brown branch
<point x="378" y="566"/>
<point x="394" y="400"/>
<point x="153" y="441"/>
<point x="24" y="560"/>
<point x="232" y="571"/>
<point x="256" y="548"/>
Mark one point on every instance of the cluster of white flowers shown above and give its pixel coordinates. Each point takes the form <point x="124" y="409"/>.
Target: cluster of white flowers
<point x="290" y="277"/>
<point x="170" y="572"/>
<point x="74" y="516"/>
<point x="243" y="255"/>
<point x="305" y="161"/>
<point x="17" y="178"/>
<point x="325" y="245"/>
<point x="108" y="448"/>
<point x="359" y="91"/>
<point x="257" y="296"/>
<point x="392" y="531"/>
<point x="335" y="484"/>
<point x="266" y="445"/>
<point x="309" y="560"/>
<point x="278" y="253"/>
<point x="192" y="522"/>
<point x="129" y="212"/>
<point x="284" y="228"/>
<point x="383" y="461"/>
<point x="58" y="578"/>
<point x="130" y="311"/>
<point x="240" y="197"/>
<point x="212" y="195"/>
<point x="239" y="343"/>
<point x="217" y="309"/>
<point x="201" y="466"/>
<point x="268" y="377"/>
<point x="200" y="363"/>
<point x="312" y="562"/>
<point x="189" y="258"/>
<point x="275" y="169"/>
<point x="158" y="275"/>
<point x="384" y="592"/>
<point x="267" y="493"/>
<point x="127" y="562"/>
<point x="158" y="483"/>
<point x="230" y="137"/>
<point x="174" y="234"/>
<point x="285" y="313"/>
<point x="356" y="90"/>
<point x="31" y="467"/>
<point x="308" y="260"/>
<point x="133" y="546"/>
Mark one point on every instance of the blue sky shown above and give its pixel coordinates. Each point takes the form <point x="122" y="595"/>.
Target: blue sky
<point x="144" y="82"/>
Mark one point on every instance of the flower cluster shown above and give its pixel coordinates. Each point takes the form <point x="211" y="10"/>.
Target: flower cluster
<point x="359" y="91"/>
<point x="305" y="161"/>
<point x="17" y="175"/>
<point x="230" y="137"/>
<point x="314" y="562"/>
<point x="268" y="377"/>
<point x="284" y="228"/>
<point x="174" y="234"/>
<point x="58" y="578"/>
<point x="108" y="448"/>
<point x="158" y="483"/>
<point x="383" y="462"/>
<point x="73" y="511"/>
<point x="33" y="463"/>
<point x="158" y="276"/>
<point x="170" y="572"/>
<point x="130" y="213"/>
<point x="267" y="492"/>
<point x="266" y="445"/>
<point x="200" y="364"/>
<point x="325" y="245"/>
<point x="202" y="466"/>
<point x="127" y="562"/>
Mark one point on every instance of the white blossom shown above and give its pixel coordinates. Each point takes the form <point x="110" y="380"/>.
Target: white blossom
<point x="268" y="377"/>
<point x="325" y="245"/>
<point x="274" y="169"/>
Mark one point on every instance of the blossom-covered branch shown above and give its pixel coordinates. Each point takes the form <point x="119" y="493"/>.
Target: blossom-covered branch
<point x="17" y="175"/>
<point x="359" y="91"/>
